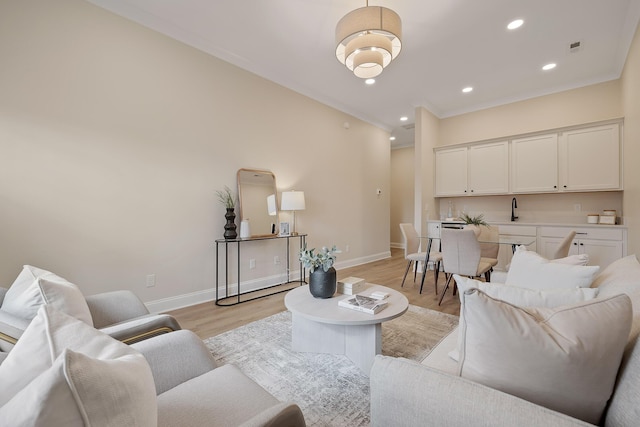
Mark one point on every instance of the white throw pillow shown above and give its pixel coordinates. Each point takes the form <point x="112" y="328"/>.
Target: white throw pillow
<point x="621" y="276"/>
<point x="520" y="297"/>
<point x="34" y="287"/>
<point x="579" y="259"/>
<point x="63" y="372"/>
<point x="531" y="270"/>
<point x="565" y="359"/>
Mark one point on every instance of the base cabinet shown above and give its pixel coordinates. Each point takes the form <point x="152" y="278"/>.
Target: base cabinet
<point x="602" y="245"/>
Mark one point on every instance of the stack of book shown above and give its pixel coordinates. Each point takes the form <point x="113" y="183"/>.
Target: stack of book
<point x="363" y="303"/>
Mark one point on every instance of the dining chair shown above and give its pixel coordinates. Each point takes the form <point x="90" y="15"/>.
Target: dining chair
<point x="411" y="249"/>
<point x="461" y="254"/>
<point x="413" y="255"/>
<point x="563" y="249"/>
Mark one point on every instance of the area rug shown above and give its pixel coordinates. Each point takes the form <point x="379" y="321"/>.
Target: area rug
<point x="329" y="389"/>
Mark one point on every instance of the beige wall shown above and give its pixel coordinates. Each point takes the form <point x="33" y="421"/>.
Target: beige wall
<point x="402" y="185"/>
<point x="114" y="139"/>
<point x="631" y="104"/>
<point x="588" y="104"/>
<point x="426" y="138"/>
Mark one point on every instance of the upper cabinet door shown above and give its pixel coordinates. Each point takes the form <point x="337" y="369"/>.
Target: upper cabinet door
<point x="534" y="164"/>
<point x="451" y="172"/>
<point x="590" y="159"/>
<point x="488" y="168"/>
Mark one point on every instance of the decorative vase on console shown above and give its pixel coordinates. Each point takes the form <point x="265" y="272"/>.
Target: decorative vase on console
<point x="322" y="275"/>
<point x="230" y="226"/>
<point x="227" y="198"/>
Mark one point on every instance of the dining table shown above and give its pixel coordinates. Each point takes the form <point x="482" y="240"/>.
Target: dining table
<point x="514" y="241"/>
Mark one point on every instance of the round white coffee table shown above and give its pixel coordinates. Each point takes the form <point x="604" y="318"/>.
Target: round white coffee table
<point x="321" y="326"/>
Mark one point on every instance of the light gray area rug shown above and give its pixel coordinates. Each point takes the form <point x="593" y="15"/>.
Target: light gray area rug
<point x="329" y="389"/>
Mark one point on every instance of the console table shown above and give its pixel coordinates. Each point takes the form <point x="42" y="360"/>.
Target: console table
<point x="234" y="299"/>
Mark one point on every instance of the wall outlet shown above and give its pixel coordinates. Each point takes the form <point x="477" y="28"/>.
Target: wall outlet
<point x="346" y="248"/>
<point x="151" y="280"/>
<point x="276" y="260"/>
<point x="577" y="207"/>
<point x="252" y="263"/>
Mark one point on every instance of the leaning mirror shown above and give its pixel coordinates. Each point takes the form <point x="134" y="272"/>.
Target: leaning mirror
<point x="258" y="201"/>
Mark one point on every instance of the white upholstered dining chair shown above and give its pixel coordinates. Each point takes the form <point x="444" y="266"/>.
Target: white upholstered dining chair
<point x="461" y="254"/>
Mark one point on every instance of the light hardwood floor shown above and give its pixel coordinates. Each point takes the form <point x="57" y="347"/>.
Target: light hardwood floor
<point x="208" y="319"/>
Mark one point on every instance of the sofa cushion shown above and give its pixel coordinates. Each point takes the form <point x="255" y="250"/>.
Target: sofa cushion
<point x="621" y="277"/>
<point x="63" y="372"/>
<point x="520" y="297"/>
<point x="34" y="287"/>
<point x="571" y="353"/>
<point x="531" y="270"/>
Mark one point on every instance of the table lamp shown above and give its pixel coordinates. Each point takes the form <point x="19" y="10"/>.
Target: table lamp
<point x="293" y="201"/>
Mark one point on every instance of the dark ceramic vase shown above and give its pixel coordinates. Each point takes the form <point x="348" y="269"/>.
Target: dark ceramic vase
<point x="322" y="284"/>
<point x="230" y="226"/>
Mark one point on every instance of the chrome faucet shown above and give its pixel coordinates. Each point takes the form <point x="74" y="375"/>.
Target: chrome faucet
<point x="514" y="205"/>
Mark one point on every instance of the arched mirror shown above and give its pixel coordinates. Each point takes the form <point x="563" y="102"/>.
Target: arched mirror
<point x="258" y="201"/>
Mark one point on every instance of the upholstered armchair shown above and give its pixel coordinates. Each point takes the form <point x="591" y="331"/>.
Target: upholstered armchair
<point x="119" y="314"/>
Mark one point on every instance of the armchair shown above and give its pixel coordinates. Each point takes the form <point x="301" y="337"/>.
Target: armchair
<point x="199" y="393"/>
<point x="119" y="314"/>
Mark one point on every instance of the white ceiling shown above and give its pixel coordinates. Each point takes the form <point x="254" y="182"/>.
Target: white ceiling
<point x="447" y="45"/>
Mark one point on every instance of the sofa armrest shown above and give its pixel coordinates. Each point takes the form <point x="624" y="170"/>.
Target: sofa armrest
<point x="11" y="328"/>
<point x="3" y="291"/>
<point x="175" y="358"/>
<point x="406" y="393"/>
<point x="281" y="415"/>
<point x="113" y="307"/>
<point x="142" y="328"/>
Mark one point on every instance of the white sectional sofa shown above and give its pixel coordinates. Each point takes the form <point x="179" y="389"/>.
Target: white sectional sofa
<point x="406" y="393"/>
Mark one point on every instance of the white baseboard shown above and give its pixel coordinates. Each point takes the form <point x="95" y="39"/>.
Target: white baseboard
<point x="397" y="245"/>
<point x="193" y="298"/>
<point x="209" y="295"/>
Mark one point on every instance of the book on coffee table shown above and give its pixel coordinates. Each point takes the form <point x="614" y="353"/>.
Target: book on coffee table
<point x="363" y="303"/>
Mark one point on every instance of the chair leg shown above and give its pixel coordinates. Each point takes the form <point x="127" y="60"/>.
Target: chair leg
<point x="446" y="286"/>
<point x="405" y="272"/>
<point x="487" y="275"/>
<point x="436" y="273"/>
<point x="415" y="271"/>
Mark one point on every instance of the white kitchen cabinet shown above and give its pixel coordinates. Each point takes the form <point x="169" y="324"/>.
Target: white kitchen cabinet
<point x="475" y="170"/>
<point x="575" y="159"/>
<point x="451" y="172"/>
<point x="488" y="168"/>
<point x="590" y="159"/>
<point x="534" y="164"/>
<point x="603" y="245"/>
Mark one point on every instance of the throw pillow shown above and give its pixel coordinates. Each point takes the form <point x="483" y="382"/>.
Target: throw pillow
<point x="64" y="372"/>
<point x="565" y="359"/>
<point x="520" y="297"/>
<point x="34" y="287"/>
<point x="531" y="270"/>
<point x="621" y="276"/>
<point x="579" y="259"/>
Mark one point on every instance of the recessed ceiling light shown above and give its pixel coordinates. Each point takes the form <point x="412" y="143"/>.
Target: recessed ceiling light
<point x="515" y="24"/>
<point x="404" y="118"/>
<point x="370" y="81"/>
<point x="393" y="138"/>
<point x="549" y="67"/>
<point x="467" y="89"/>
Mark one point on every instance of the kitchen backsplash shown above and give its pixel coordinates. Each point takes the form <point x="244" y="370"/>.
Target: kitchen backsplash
<point x="569" y="208"/>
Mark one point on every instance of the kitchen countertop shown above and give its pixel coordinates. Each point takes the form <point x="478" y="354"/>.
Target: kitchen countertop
<point x="545" y="224"/>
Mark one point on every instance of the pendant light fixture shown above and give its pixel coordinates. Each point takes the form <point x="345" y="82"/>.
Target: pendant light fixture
<point x="368" y="39"/>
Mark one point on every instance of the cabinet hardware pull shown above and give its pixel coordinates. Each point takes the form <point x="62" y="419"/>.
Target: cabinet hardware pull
<point x="582" y="233"/>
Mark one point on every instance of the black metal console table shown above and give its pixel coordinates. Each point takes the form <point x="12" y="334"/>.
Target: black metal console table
<point x="234" y="299"/>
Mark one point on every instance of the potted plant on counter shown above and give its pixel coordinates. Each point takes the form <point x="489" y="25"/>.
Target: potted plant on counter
<point x="322" y="275"/>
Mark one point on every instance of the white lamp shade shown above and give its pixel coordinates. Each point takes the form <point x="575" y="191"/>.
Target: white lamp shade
<point x="292" y="201"/>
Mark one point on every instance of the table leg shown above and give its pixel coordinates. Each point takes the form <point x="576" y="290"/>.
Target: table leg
<point x="426" y="263"/>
